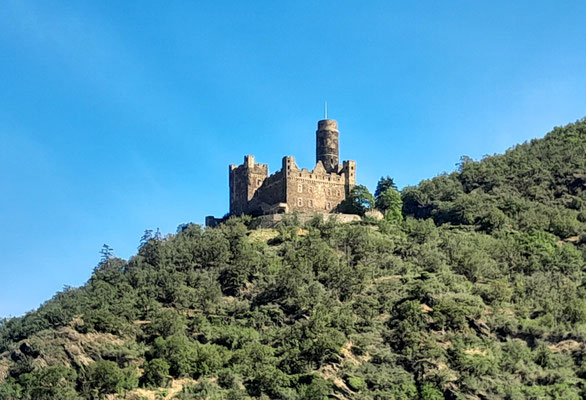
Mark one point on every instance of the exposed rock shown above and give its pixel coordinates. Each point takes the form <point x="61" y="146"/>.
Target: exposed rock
<point x="479" y="326"/>
<point x="374" y="214"/>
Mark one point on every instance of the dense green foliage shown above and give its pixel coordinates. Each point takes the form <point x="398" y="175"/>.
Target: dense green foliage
<point x="536" y="186"/>
<point x="359" y="201"/>
<point x="477" y="293"/>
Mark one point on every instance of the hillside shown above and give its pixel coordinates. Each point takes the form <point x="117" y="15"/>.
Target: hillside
<point x="478" y="293"/>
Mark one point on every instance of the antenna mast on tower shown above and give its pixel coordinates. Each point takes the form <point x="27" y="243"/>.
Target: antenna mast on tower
<point x="326" y="110"/>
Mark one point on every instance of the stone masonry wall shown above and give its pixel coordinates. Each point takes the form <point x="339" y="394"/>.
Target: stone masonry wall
<point x="244" y="181"/>
<point x="253" y="191"/>
<point x="271" y="192"/>
<point x="314" y="191"/>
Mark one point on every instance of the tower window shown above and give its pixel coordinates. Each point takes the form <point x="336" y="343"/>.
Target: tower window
<point x="258" y="182"/>
<point x="338" y="193"/>
<point x="300" y="187"/>
<point x="300" y="202"/>
<point x="310" y="203"/>
<point x="329" y="205"/>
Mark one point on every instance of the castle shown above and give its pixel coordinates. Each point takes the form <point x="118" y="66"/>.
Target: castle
<point x="254" y="192"/>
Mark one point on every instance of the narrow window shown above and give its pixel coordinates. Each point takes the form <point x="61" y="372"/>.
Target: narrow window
<point x="338" y="193"/>
<point x="300" y="202"/>
<point x="258" y="182"/>
<point x="329" y="205"/>
<point x="310" y="203"/>
<point x="329" y="192"/>
<point x="300" y="187"/>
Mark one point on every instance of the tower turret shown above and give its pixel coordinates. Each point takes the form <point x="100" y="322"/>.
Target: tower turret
<point x="327" y="148"/>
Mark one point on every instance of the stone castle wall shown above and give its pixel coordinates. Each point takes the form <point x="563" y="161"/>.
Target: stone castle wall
<point x="270" y="193"/>
<point x="274" y="220"/>
<point x="244" y="181"/>
<point x="314" y="191"/>
<point x="253" y="191"/>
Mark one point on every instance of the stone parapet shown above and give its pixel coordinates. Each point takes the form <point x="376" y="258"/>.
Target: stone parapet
<point x="274" y="220"/>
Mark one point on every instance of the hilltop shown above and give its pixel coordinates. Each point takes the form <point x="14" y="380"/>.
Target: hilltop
<point x="476" y="293"/>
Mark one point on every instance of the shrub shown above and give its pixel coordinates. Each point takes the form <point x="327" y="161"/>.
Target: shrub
<point x="430" y="392"/>
<point x="156" y="373"/>
<point x="106" y="377"/>
<point x="355" y="383"/>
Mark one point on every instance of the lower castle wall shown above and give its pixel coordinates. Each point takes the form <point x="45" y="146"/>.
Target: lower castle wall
<point x="273" y="220"/>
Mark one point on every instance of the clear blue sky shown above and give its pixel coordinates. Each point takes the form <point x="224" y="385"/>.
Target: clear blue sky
<point x="116" y="117"/>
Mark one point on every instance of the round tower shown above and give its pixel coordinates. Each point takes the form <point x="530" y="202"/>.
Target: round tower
<point x="327" y="147"/>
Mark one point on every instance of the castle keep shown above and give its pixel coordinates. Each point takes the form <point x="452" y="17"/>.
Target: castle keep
<point x="254" y="192"/>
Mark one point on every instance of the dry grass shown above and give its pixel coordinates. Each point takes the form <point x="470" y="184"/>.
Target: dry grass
<point x="160" y="394"/>
<point x="66" y="346"/>
<point x="475" y="351"/>
<point x="566" y="346"/>
<point x="351" y="358"/>
<point x="263" y="235"/>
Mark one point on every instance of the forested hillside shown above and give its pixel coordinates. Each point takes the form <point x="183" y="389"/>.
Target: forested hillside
<point x="536" y="186"/>
<point x="477" y="292"/>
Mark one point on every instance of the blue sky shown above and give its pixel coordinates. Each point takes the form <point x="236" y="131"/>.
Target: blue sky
<point x="116" y="117"/>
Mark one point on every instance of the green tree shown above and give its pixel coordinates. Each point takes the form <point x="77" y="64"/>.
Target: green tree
<point x="10" y="389"/>
<point x="384" y="184"/>
<point x="156" y="373"/>
<point x="390" y="204"/>
<point x="106" y="253"/>
<point x="429" y="392"/>
<point x="106" y="377"/>
<point x="50" y="383"/>
<point x="179" y="352"/>
<point x="148" y="235"/>
<point x="358" y="201"/>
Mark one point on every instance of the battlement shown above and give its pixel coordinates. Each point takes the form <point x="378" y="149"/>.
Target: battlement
<point x="318" y="173"/>
<point x="250" y="164"/>
<point x="253" y="191"/>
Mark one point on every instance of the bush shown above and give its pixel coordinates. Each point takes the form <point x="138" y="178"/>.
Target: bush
<point x="430" y="392"/>
<point x="355" y="383"/>
<point x="156" y="373"/>
<point x="50" y="383"/>
<point x="106" y="377"/>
